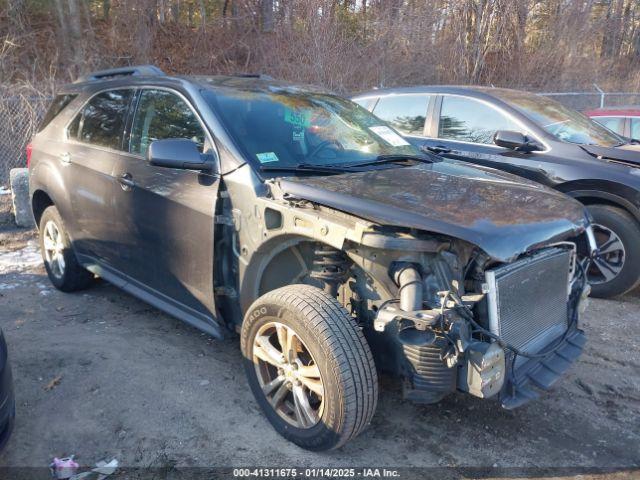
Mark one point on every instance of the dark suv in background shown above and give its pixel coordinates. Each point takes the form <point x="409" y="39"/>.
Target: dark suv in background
<point x="540" y="139"/>
<point x="334" y="247"/>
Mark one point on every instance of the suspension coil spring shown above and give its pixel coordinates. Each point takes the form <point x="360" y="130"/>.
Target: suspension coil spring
<point x="330" y="266"/>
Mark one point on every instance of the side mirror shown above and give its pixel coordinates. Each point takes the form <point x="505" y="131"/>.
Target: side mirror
<point x="178" y="153"/>
<point x="515" y="141"/>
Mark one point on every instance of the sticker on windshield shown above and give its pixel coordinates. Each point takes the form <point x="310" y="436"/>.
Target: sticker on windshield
<point x="389" y="136"/>
<point x="267" y="157"/>
<point x="298" y="117"/>
<point x="298" y="135"/>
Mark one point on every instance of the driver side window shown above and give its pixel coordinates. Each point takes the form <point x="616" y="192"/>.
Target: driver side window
<point x="469" y="120"/>
<point x="160" y="115"/>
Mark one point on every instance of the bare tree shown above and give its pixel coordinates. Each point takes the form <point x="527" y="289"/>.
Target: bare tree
<point x="175" y="10"/>
<point x="203" y="15"/>
<point x="266" y="9"/>
<point x="16" y="13"/>
<point x="75" y="33"/>
<point x="344" y="44"/>
<point x="106" y="9"/>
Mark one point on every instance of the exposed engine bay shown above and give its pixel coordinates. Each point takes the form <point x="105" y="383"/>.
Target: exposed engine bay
<point x="437" y="311"/>
<point x="485" y="329"/>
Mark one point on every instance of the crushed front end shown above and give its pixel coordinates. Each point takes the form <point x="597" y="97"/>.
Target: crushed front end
<point x="459" y="320"/>
<point x="458" y="285"/>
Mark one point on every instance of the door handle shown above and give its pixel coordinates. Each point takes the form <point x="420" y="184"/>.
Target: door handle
<point x="438" y="149"/>
<point x="126" y="181"/>
<point x="65" y="158"/>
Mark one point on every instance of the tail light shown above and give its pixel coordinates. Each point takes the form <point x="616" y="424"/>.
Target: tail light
<point x="29" y="150"/>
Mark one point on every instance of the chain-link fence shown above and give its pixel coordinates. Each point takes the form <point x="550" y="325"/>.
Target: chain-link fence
<point x="583" y="101"/>
<point x="19" y="120"/>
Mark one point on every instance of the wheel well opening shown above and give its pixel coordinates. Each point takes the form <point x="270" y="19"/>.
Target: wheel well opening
<point x="286" y="266"/>
<point x="591" y="200"/>
<point x="284" y="261"/>
<point x="39" y="203"/>
<point x="598" y="201"/>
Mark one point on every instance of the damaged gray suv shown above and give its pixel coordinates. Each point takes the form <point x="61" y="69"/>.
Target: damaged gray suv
<point x="305" y="224"/>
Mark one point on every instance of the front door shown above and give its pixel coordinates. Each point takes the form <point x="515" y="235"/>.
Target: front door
<point x="463" y="129"/>
<point x="167" y="215"/>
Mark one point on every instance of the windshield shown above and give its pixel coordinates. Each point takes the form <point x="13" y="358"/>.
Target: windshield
<point x="562" y="122"/>
<point x="282" y="127"/>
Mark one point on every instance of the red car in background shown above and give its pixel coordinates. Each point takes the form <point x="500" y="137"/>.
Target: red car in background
<point x="624" y="121"/>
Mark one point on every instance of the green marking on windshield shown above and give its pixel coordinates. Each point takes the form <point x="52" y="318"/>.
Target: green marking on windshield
<point x="298" y="117"/>
<point x="267" y="157"/>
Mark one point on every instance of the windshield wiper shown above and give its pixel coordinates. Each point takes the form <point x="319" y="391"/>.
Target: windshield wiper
<point x="384" y="159"/>
<point x="347" y="167"/>
<point x="630" y="141"/>
<point x="305" y="167"/>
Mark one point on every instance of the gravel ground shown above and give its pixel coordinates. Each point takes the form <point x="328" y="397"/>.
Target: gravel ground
<point x="100" y="374"/>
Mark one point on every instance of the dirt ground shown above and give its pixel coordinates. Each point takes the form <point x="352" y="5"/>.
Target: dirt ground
<point x="130" y="382"/>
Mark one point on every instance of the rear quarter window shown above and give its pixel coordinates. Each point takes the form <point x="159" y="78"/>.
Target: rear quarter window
<point x="59" y="103"/>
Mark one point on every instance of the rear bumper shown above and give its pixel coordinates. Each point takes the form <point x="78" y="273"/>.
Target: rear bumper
<point x="523" y="384"/>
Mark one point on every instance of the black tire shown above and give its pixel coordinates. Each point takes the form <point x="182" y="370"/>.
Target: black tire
<point x="72" y="276"/>
<point x="627" y="229"/>
<point x="338" y="348"/>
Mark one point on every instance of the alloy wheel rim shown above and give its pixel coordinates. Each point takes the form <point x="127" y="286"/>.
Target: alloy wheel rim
<point x="288" y="375"/>
<point x="54" y="249"/>
<point x="609" y="261"/>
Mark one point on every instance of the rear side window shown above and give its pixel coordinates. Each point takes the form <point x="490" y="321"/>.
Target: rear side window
<point x="469" y="120"/>
<point x="59" y="103"/>
<point x="104" y="117"/>
<point x="635" y="128"/>
<point x="160" y="115"/>
<point x="406" y="113"/>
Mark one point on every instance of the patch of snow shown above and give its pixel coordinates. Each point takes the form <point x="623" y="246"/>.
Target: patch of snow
<point x="4" y="190"/>
<point x="20" y="260"/>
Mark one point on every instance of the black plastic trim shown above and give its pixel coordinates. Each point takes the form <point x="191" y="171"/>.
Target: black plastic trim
<point x="541" y="374"/>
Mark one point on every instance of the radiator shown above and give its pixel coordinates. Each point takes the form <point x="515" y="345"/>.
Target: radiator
<point x="528" y="299"/>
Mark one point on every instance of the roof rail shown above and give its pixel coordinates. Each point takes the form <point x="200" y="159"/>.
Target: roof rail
<point x="261" y="76"/>
<point x="122" y="71"/>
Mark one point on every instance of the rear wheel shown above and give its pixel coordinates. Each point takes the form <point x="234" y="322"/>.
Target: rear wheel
<point x="616" y="268"/>
<point x="309" y="367"/>
<point x="60" y="261"/>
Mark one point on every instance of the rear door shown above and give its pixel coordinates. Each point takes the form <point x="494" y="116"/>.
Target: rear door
<point x="166" y="215"/>
<point x="92" y="150"/>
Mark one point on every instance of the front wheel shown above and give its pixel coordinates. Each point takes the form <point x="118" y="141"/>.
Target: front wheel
<point x="616" y="268"/>
<point x="60" y="261"/>
<point x="309" y="367"/>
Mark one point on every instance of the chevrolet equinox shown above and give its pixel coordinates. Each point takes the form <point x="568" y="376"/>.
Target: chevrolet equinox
<point x="303" y="223"/>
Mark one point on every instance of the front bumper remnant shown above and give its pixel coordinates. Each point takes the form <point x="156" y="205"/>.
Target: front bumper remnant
<point x="540" y="373"/>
